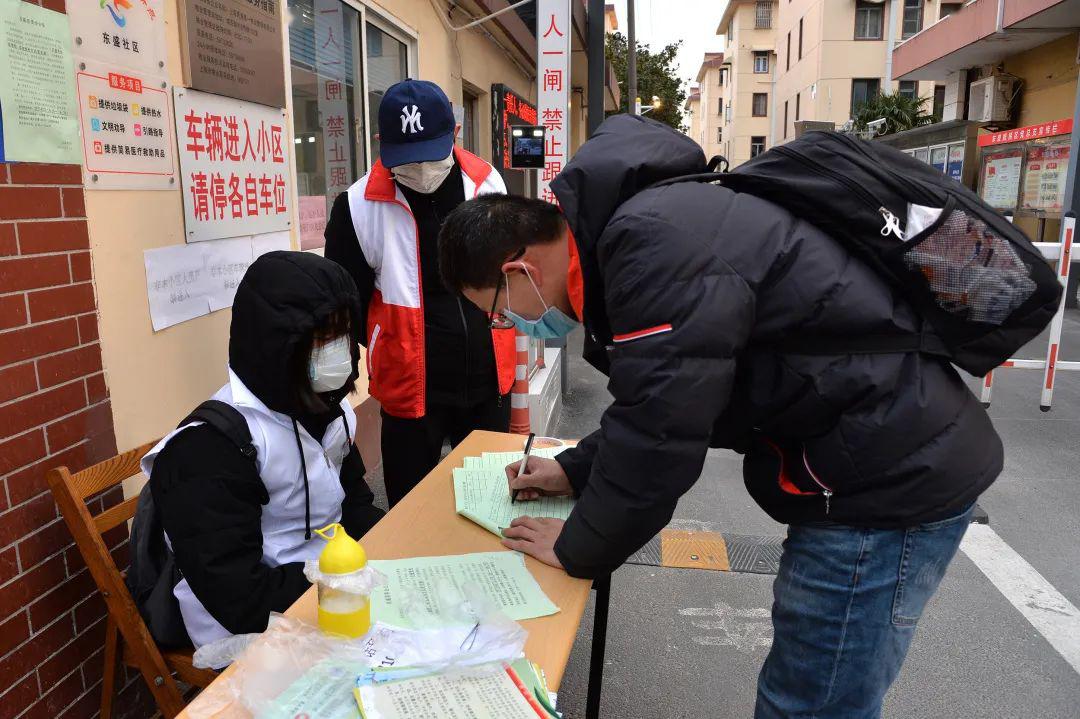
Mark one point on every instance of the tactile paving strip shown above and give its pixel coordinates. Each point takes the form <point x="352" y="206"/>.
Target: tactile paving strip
<point x="704" y="550"/>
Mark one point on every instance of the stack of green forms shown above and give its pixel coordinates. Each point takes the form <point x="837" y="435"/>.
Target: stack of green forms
<point x="481" y="492"/>
<point x="490" y="691"/>
<point x="339" y="689"/>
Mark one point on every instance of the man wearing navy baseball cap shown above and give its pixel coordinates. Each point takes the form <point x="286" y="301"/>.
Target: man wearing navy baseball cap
<point x="434" y="364"/>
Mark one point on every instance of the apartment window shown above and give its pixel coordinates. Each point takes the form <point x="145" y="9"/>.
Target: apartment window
<point x="788" y="53"/>
<point x="720" y="107"/>
<point x="761" y="62"/>
<point x="948" y="8"/>
<point x="869" y="20"/>
<point x="721" y="74"/>
<point x="785" y="118"/>
<point x="469" y="130"/>
<point x="909" y="88"/>
<point x="939" y="101"/>
<point x="863" y="90"/>
<point x="761" y="104"/>
<point x="763" y="15"/>
<point x="719" y="135"/>
<point x="913" y="10"/>
<point x="757" y="145"/>
<point x="798" y="98"/>
<point x="800" y="38"/>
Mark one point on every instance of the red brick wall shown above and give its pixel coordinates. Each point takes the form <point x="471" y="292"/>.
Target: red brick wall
<point x="54" y="409"/>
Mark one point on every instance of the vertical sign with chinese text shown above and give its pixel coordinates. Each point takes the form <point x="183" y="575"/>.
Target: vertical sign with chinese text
<point x="330" y="67"/>
<point x="234" y="166"/>
<point x="553" y="86"/>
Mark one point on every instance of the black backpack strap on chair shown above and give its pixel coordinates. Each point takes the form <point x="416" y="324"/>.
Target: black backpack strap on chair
<point x="225" y="419"/>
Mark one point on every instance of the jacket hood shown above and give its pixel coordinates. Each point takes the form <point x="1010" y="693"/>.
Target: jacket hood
<point x="626" y="154"/>
<point x="282" y="298"/>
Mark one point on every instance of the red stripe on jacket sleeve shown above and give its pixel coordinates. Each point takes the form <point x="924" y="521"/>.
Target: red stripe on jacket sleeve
<point x="647" y="332"/>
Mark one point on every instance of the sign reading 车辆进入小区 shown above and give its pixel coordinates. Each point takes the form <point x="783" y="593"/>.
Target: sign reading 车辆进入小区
<point x="234" y="48"/>
<point x="38" y="119"/>
<point x="234" y="166"/>
<point x="127" y="130"/>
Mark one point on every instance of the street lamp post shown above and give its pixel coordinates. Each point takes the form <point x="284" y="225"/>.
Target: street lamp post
<point x="656" y="105"/>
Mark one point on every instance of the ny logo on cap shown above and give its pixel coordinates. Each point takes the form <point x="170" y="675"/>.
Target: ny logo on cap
<point x="410" y="119"/>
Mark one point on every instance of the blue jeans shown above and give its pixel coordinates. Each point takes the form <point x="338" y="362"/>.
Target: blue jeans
<point x="846" y="601"/>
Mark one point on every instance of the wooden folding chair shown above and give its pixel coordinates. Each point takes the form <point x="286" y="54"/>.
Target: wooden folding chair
<point x="126" y="637"/>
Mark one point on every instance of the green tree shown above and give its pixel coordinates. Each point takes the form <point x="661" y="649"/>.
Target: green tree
<point x="656" y="75"/>
<point x="901" y="112"/>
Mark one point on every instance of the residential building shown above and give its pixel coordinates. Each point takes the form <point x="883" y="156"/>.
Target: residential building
<point x="711" y="77"/>
<point x="692" y="108"/>
<point x="1009" y="67"/>
<point x="748" y="104"/>
<point x="834" y="54"/>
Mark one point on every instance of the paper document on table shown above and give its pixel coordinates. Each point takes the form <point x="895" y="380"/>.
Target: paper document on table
<point x="491" y="692"/>
<point x="499" y="460"/>
<point x="483" y="496"/>
<point x="419" y="590"/>
<point x="324" y="691"/>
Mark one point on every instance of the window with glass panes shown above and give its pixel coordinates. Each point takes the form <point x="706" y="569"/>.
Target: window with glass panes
<point x="909" y="88"/>
<point x="869" y="20"/>
<point x="338" y="68"/>
<point x="761" y="62"/>
<point x="912" y="23"/>
<point x="863" y="90"/>
<point x="763" y="15"/>
<point x="757" y="145"/>
<point x="760" y="104"/>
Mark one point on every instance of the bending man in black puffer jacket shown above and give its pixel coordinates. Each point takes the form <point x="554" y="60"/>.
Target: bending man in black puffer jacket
<point x="874" y="461"/>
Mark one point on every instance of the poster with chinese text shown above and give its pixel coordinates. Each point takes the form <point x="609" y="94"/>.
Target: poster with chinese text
<point x="1000" y="181"/>
<point x="331" y="61"/>
<point x="1044" y="177"/>
<point x="38" y="121"/>
<point x="127" y="130"/>
<point x="234" y="166"/>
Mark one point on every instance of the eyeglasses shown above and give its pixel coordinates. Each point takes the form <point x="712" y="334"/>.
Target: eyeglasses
<point x="499" y="321"/>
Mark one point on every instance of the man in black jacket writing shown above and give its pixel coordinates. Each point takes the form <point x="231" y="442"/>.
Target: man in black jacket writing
<point x="873" y="460"/>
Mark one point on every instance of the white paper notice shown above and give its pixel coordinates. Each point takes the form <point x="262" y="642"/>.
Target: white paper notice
<point x="187" y="281"/>
<point x="175" y="284"/>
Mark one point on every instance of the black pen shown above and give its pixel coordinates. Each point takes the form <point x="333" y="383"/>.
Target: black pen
<point x="521" y="467"/>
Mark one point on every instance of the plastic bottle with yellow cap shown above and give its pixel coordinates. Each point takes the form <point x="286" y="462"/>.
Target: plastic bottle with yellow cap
<point x="344" y="584"/>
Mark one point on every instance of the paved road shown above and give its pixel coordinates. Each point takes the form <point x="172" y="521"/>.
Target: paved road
<point x="974" y="655"/>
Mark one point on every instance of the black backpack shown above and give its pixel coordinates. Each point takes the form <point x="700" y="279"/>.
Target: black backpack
<point x="153" y="573"/>
<point x="981" y="286"/>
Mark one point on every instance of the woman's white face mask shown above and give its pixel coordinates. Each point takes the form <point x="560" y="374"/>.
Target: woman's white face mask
<point x="424" y="177"/>
<point x="331" y="365"/>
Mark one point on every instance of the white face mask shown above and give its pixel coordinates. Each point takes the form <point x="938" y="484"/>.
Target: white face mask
<point x="331" y="365"/>
<point x="424" y="177"/>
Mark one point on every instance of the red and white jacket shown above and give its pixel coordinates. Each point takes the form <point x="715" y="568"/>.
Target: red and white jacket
<point x="389" y="239"/>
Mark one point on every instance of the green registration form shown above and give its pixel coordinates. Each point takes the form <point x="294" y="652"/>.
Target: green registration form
<point x="422" y="592"/>
<point x="482" y="495"/>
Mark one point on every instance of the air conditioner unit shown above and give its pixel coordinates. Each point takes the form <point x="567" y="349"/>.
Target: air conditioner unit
<point x="989" y="98"/>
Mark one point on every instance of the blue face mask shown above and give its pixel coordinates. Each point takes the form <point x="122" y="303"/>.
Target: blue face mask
<point x="552" y="324"/>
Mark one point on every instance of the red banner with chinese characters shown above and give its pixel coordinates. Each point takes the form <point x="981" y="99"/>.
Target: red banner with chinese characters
<point x="1031" y="132"/>
<point x="234" y="166"/>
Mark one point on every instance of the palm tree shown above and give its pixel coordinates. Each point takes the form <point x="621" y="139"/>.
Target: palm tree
<point x="900" y="112"/>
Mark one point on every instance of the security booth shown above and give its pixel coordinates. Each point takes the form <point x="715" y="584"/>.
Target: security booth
<point x="951" y="147"/>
